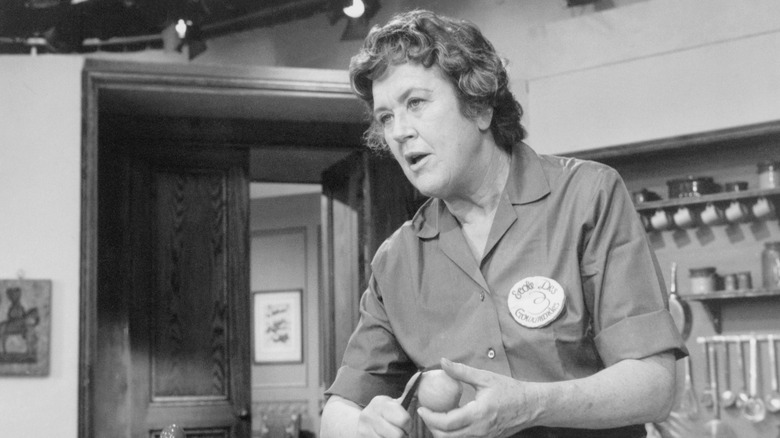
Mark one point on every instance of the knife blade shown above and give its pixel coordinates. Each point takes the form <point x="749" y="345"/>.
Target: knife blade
<point x="407" y="400"/>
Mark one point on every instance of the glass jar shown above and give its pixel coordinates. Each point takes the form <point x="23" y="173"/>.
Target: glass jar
<point x="702" y="280"/>
<point x="770" y="265"/>
<point x="768" y="174"/>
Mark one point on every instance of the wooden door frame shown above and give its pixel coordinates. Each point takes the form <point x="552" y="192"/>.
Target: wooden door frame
<point x="100" y="77"/>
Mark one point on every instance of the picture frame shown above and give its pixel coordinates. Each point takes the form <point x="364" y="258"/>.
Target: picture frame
<point x="25" y="327"/>
<point x="277" y="325"/>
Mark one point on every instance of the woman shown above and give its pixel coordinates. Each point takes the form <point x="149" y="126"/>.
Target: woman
<point x="527" y="277"/>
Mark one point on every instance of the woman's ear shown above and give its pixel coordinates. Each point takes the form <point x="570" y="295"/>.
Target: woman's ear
<point x="485" y="118"/>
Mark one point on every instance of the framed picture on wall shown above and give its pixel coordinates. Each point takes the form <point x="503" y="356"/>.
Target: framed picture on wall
<point x="25" y="326"/>
<point x="277" y="326"/>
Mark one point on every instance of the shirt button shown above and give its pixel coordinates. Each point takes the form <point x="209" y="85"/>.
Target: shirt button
<point x="491" y="353"/>
<point x="482" y="296"/>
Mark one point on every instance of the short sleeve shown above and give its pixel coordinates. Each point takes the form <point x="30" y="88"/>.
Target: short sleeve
<point x="622" y="280"/>
<point x="374" y="363"/>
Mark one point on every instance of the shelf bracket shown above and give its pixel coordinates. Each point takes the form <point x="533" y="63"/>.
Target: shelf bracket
<point x="714" y="312"/>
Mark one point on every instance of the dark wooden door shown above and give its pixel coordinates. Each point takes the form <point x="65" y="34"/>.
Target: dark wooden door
<point x="173" y="301"/>
<point x="366" y="198"/>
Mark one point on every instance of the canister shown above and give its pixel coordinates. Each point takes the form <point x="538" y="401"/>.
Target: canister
<point x="770" y="265"/>
<point x="768" y="174"/>
<point x="702" y="280"/>
<point x="744" y="280"/>
<point x="730" y="282"/>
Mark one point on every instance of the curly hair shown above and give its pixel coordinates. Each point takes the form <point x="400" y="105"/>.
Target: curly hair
<point x="464" y="56"/>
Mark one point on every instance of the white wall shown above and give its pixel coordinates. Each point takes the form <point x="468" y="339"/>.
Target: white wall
<point x="40" y="156"/>
<point x="653" y="70"/>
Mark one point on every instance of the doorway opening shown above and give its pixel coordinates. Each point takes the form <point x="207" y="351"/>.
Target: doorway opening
<point x="165" y="108"/>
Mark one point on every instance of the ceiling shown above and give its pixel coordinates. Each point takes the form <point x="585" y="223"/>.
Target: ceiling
<point x="67" y="26"/>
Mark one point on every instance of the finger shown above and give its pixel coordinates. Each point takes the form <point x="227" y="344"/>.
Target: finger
<point x="386" y="418"/>
<point x="466" y="374"/>
<point x="451" y="421"/>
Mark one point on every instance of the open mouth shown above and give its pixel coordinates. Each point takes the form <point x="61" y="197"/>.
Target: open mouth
<point x="413" y="159"/>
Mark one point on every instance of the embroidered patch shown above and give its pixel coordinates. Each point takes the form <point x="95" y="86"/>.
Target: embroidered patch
<point x="536" y="301"/>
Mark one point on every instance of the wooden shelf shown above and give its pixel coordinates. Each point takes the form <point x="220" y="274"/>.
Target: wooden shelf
<point x="652" y="206"/>
<point x="715" y="300"/>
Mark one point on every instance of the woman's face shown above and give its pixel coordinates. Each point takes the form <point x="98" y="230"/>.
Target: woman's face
<point x="439" y="149"/>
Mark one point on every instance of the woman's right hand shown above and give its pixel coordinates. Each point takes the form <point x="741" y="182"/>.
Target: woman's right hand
<point x="384" y="417"/>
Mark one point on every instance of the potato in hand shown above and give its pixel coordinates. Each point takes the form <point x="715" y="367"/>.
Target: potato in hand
<point x="438" y="391"/>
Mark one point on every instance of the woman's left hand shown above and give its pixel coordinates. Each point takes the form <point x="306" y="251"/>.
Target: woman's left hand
<point x="500" y="407"/>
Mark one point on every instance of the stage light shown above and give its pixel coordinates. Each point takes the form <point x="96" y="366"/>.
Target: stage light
<point x="356" y="9"/>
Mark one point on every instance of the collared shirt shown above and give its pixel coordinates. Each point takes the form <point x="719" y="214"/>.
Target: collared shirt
<point x="559" y="218"/>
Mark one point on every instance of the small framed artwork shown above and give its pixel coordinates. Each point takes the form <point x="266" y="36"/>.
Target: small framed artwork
<point x="278" y="326"/>
<point x="25" y="325"/>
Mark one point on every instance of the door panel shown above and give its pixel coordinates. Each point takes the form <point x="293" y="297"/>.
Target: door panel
<point x="366" y="197"/>
<point x="181" y="284"/>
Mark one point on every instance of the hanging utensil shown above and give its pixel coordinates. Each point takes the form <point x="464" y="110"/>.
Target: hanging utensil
<point x="773" y="398"/>
<point x="680" y="310"/>
<point x="689" y="404"/>
<point x="728" y="397"/>
<point x="708" y="396"/>
<point x="742" y="395"/>
<point x="716" y="428"/>
<point x="754" y="409"/>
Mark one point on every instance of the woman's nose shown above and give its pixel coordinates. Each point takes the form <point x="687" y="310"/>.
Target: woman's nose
<point x="402" y="128"/>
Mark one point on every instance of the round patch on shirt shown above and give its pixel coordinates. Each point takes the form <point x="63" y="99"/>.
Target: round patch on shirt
<point x="536" y="301"/>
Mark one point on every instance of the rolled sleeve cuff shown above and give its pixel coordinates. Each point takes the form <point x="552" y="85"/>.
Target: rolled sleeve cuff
<point x="640" y="336"/>
<point x="360" y="386"/>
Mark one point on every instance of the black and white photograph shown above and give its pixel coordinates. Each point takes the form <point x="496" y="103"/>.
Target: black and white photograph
<point x="390" y="218"/>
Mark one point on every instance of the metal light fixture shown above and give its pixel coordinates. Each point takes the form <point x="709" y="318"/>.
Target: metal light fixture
<point x="357" y="13"/>
<point x="356" y="9"/>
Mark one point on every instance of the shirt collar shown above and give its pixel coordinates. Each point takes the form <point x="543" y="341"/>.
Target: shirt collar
<point x="527" y="183"/>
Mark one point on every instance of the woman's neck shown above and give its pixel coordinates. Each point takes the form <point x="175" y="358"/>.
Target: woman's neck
<point x="480" y="203"/>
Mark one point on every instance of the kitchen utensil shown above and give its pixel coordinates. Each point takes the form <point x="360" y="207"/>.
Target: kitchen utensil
<point x="681" y="312"/>
<point x="773" y="398"/>
<point x="728" y="397"/>
<point x="707" y="398"/>
<point x="768" y="174"/>
<point x="716" y="428"/>
<point x="685" y="217"/>
<point x="689" y="404"/>
<point x="661" y="220"/>
<point x="712" y="214"/>
<point x="754" y="409"/>
<point x="737" y="211"/>
<point x="691" y="186"/>
<point x="763" y="209"/>
<point x="742" y="395"/>
<point x="702" y="280"/>
<point x="645" y="195"/>
<point x="770" y="265"/>
<point x="735" y="186"/>
<point x="415" y="382"/>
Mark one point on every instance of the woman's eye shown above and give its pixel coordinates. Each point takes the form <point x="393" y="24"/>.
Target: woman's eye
<point x="384" y="119"/>
<point x="414" y="103"/>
